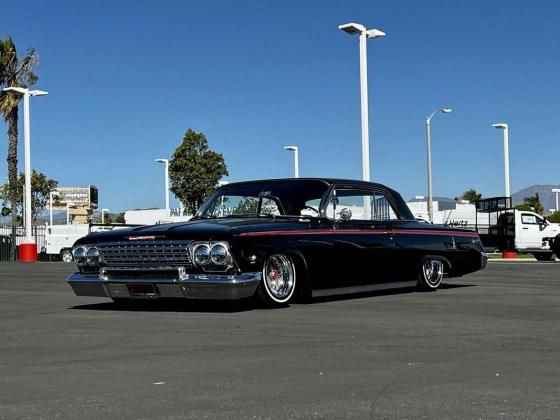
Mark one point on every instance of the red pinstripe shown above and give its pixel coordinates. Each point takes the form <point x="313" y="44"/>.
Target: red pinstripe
<point x="361" y="232"/>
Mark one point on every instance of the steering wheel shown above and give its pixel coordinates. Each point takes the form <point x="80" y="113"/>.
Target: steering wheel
<point x="311" y="208"/>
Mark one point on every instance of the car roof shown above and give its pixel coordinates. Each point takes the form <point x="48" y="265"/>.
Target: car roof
<point x="329" y="181"/>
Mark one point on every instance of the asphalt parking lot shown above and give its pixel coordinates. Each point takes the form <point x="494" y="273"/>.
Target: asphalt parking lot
<point x="486" y="346"/>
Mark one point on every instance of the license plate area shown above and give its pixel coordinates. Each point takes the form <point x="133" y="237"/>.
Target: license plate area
<point x="141" y="289"/>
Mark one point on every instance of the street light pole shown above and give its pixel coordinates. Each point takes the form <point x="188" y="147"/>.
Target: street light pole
<point x="556" y="190"/>
<point x="294" y="149"/>
<point x="505" y="127"/>
<point x="429" y="159"/>
<point x="358" y="29"/>
<point x="28" y="249"/>
<point x="103" y="215"/>
<point x="166" y="162"/>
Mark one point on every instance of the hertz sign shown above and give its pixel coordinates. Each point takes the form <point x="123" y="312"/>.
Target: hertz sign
<point x="76" y="196"/>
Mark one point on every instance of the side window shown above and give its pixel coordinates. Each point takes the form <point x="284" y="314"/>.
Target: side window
<point x="356" y="204"/>
<point x="528" y="219"/>
<point x="311" y="208"/>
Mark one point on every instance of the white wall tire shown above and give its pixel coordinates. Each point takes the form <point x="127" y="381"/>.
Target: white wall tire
<point x="278" y="280"/>
<point x="431" y="274"/>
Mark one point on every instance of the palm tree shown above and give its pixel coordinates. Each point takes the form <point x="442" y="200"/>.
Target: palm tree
<point x="18" y="72"/>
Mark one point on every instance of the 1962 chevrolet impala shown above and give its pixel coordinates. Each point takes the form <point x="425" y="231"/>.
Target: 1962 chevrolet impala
<point x="276" y="240"/>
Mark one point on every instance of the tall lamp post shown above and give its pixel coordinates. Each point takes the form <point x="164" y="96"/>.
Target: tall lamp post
<point x="166" y="162"/>
<point x="294" y="149"/>
<point x="556" y="190"/>
<point x="365" y="34"/>
<point x="103" y="211"/>
<point x="429" y="158"/>
<point x="503" y="126"/>
<point x="28" y="249"/>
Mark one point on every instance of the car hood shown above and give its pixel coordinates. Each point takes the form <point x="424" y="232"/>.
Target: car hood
<point x="213" y="229"/>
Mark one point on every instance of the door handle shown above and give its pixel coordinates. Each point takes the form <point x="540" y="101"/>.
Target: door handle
<point x="525" y="228"/>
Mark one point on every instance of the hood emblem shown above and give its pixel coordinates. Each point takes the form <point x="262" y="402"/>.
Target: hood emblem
<point x="141" y="238"/>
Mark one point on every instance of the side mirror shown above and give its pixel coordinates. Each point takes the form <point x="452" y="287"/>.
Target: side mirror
<point x="345" y="214"/>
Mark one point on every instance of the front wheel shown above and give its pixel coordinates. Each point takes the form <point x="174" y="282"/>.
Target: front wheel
<point x="279" y="281"/>
<point x="431" y="274"/>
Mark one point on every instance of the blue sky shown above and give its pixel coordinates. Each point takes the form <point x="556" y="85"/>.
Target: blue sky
<point x="127" y="78"/>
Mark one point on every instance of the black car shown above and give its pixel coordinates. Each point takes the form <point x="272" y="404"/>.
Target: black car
<point x="276" y="240"/>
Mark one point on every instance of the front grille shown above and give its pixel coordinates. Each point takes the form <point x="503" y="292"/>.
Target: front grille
<point x="145" y="255"/>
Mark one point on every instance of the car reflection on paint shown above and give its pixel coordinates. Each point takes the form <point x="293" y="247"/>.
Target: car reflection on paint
<point x="277" y="240"/>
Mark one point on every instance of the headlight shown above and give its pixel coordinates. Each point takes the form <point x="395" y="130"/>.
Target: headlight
<point x="201" y="254"/>
<point x="219" y="254"/>
<point x="211" y="256"/>
<point x="80" y="255"/>
<point x="92" y="257"/>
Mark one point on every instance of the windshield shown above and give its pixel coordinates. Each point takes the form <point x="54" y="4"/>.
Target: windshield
<point x="270" y="198"/>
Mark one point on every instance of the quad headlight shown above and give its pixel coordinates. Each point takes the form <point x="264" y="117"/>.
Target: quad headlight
<point x="80" y="255"/>
<point x="212" y="256"/>
<point x="93" y="257"/>
<point x="201" y="254"/>
<point x="87" y="256"/>
<point x="219" y="254"/>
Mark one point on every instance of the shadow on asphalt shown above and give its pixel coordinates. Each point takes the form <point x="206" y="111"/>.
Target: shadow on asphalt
<point x="217" y="306"/>
<point x="182" y="305"/>
<point x="389" y="292"/>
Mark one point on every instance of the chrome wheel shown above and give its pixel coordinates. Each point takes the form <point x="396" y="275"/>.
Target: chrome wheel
<point x="67" y="256"/>
<point x="432" y="273"/>
<point x="279" y="278"/>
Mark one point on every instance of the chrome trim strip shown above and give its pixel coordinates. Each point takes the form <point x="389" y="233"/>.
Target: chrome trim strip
<point x="361" y="289"/>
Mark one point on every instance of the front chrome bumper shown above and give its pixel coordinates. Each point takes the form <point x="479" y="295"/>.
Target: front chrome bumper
<point x="191" y="286"/>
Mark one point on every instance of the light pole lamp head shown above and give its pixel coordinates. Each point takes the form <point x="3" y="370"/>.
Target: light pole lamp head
<point x="162" y="161"/>
<point x="291" y="148"/>
<point x="375" y="33"/>
<point x="38" y="92"/>
<point x="446" y="110"/>
<point x="501" y="126"/>
<point x="556" y="190"/>
<point x="15" y="89"/>
<point x="352" y="28"/>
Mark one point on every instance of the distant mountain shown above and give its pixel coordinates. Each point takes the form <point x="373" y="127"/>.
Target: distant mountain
<point x="548" y="198"/>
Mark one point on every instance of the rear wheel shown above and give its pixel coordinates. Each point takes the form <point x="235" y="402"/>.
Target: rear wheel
<point x="279" y="281"/>
<point x="543" y="256"/>
<point x="66" y="255"/>
<point x="431" y="274"/>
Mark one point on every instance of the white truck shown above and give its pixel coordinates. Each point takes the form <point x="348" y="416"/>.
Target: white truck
<point x="500" y="226"/>
<point x="60" y="238"/>
<point x="521" y="231"/>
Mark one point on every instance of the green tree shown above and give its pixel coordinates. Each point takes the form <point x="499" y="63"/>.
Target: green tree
<point x="194" y="170"/>
<point x="14" y="71"/>
<point x="119" y="218"/>
<point x="471" y="195"/>
<point x="554" y="217"/>
<point x="41" y="186"/>
<point x="532" y="203"/>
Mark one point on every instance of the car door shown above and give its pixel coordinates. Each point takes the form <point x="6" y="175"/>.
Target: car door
<point x="363" y="246"/>
<point x="529" y="232"/>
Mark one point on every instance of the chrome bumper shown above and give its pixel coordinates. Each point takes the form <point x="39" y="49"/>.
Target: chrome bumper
<point x="192" y="286"/>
